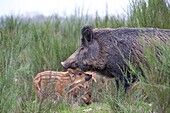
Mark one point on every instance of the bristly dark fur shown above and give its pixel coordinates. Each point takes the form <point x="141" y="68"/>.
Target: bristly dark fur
<point x="106" y="50"/>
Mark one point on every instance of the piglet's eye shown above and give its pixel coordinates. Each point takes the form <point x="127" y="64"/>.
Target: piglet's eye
<point x="81" y="48"/>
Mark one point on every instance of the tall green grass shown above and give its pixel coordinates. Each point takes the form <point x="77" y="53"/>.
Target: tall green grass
<point x="158" y="76"/>
<point x="154" y="13"/>
<point x="28" y="46"/>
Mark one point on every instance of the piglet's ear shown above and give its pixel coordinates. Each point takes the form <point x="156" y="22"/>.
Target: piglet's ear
<point x="70" y="70"/>
<point x="87" y="34"/>
<point x="87" y="78"/>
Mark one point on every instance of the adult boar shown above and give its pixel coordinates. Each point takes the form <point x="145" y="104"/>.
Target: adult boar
<point x="106" y="50"/>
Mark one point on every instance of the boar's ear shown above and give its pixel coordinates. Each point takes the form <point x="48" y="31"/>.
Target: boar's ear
<point x="87" y="34"/>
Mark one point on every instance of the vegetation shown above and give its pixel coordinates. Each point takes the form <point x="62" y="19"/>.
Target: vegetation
<point x="28" y="46"/>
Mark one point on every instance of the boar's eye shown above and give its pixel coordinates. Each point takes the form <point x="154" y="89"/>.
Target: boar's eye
<point x="81" y="48"/>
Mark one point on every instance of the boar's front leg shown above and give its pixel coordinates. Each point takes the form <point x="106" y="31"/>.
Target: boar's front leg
<point x="128" y="80"/>
<point x="117" y="84"/>
<point x="126" y="83"/>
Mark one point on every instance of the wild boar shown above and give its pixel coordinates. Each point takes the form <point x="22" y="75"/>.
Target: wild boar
<point x="72" y="84"/>
<point x="107" y="50"/>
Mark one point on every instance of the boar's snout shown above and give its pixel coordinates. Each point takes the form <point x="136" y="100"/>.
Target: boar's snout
<point x="72" y="61"/>
<point x="69" y="64"/>
<point x="65" y="64"/>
